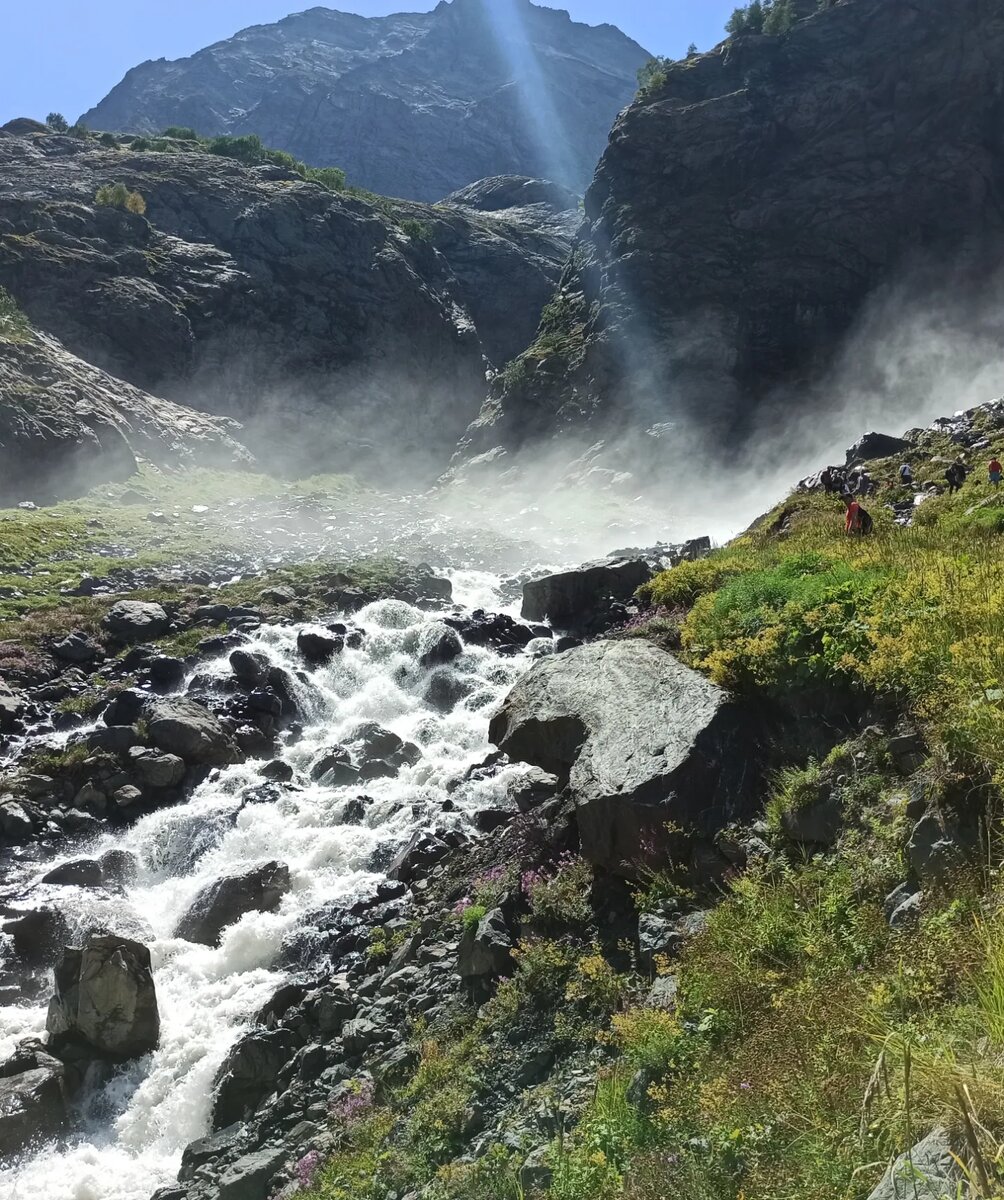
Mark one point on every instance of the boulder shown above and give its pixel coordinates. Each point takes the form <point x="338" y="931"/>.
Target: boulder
<point x="76" y="648"/>
<point x="15" y="824"/>
<point x="180" y="726"/>
<point x="277" y="771"/>
<point x="249" y="1074"/>
<point x="334" y="768"/>
<point x="105" y="999"/>
<point x="438" y="645"/>
<point x="640" y="740"/>
<point x="32" y="1108"/>
<point x="249" y="667"/>
<point x="12" y="706"/>
<point x="875" y="445"/>
<point x="817" y="823"/>
<point x="156" y="770"/>
<point x="224" y="902"/>
<point x="414" y="861"/>
<point x="82" y="872"/>
<point x="533" y="789"/>
<point x="134" y="620"/>
<point x="935" y="850"/>
<point x="486" y="949"/>
<point x="37" y="934"/>
<point x="566" y="599"/>
<point x="126" y="708"/>
<point x="379" y="751"/>
<point x="167" y="672"/>
<point x="318" y="648"/>
<point x="929" y="1171"/>
<point x="250" y="1177"/>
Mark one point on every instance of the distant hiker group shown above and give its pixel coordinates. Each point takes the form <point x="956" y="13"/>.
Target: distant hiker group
<point x="852" y="484"/>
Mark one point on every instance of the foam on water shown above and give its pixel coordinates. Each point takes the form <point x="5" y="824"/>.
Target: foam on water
<point x="137" y="1127"/>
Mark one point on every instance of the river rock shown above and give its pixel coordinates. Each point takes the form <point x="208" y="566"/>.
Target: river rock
<point x="318" y="648"/>
<point x="105" y="998"/>
<point x="180" y="726"/>
<point x="570" y="598"/>
<point x="82" y="872"/>
<point x="76" y="648"/>
<point x="379" y="751"/>
<point x="134" y="620"/>
<point x="641" y="741"/>
<point x="224" y="902"/>
<point x="156" y="770"/>
<point x="249" y="1074"/>
<point x="334" y="768"/>
<point x="414" y="861"/>
<point x="438" y="645"/>
<point x="126" y="708"/>
<point x="929" y="1171"/>
<point x="12" y="706"/>
<point x="37" y="933"/>
<point x="32" y="1107"/>
<point x="15" y="824"/>
<point x="486" y="949"/>
<point x="249" y="667"/>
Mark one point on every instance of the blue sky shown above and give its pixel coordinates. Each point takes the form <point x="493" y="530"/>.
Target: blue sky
<point x="65" y="55"/>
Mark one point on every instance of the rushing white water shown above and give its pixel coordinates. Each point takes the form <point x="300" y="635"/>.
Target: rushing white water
<point x="138" y="1127"/>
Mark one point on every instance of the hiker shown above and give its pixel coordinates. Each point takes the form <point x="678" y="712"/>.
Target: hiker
<point x="906" y="475"/>
<point x="864" y="483"/>
<point x="858" y="521"/>
<point x="956" y="476"/>
<point x="826" y="479"/>
<point x="995" y="471"/>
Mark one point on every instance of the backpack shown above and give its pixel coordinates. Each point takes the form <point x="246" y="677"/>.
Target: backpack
<point x="865" y="522"/>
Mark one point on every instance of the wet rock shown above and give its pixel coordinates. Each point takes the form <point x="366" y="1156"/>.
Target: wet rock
<point x="641" y="741"/>
<point x="444" y="690"/>
<point x="82" y="872"/>
<point x="105" y="999"/>
<point x="318" y="648"/>
<point x="533" y="789"/>
<point x="206" y="1149"/>
<point x="224" y="902"/>
<point x="414" y="861"/>
<point x="277" y="771"/>
<point x="498" y="631"/>
<point x="126" y="797"/>
<point x="12" y="707"/>
<point x="929" y="1171"/>
<point x="379" y="751"/>
<point x="335" y="768"/>
<point x="571" y="597"/>
<point x="249" y="1074"/>
<point x="249" y="667"/>
<point x="817" y="823"/>
<point x="180" y="726"/>
<point x="15" y="824"/>
<point x="115" y="739"/>
<point x="156" y="770"/>
<point x="126" y="708"/>
<point x="167" y="672"/>
<point x="76" y="648"/>
<point x="118" y="867"/>
<point x="250" y="1177"/>
<point x="134" y="620"/>
<point x="486" y="950"/>
<point x="32" y="1108"/>
<point x="438" y="645"/>
<point x="37" y="934"/>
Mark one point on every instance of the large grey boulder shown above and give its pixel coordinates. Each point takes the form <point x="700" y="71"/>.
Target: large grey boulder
<point x="641" y="741"/>
<point x="12" y="705"/>
<point x="224" y="902"/>
<point x="927" y="1172"/>
<point x="249" y="1074"/>
<point x="566" y="599"/>
<point x="486" y="949"/>
<point x="136" y="620"/>
<point x="105" y="998"/>
<point x="32" y="1107"/>
<point x="179" y="726"/>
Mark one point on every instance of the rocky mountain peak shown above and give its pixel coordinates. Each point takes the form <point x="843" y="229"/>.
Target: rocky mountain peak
<point x="413" y="105"/>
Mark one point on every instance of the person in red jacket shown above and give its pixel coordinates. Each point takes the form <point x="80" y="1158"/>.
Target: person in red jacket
<point x="995" y="470"/>
<point x="858" y="521"/>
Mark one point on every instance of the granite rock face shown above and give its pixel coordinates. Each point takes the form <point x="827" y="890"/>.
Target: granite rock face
<point x="331" y="325"/>
<point x="414" y="104"/>
<point x="747" y="208"/>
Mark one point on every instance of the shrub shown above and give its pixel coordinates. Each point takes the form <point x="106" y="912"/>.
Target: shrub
<point x="763" y="16"/>
<point x="141" y="143"/>
<point x="14" y="325"/>
<point x="57" y="122"/>
<point x="117" y="195"/>
<point x="332" y="178"/>
<point x="79" y="131"/>
<point x="596" y="984"/>
<point x="109" y="139"/>
<point x="559" y="895"/>
<point x="182" y="133"/>
<point x="473" y="915"/>
<point x="653" y="74"/>
<point x="417" y="231"/>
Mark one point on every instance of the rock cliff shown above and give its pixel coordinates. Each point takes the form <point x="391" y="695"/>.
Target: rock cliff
<point x="752" y="200"/>
<point x="334" y="321"/>
<point x="415" y="104"/>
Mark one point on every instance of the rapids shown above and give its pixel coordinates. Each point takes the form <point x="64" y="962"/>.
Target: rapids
<point x="136" y="1128"/>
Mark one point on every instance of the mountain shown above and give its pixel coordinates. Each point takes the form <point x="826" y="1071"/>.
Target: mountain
<point x="333" y="325"/>
<point x="752" y="202"/>
<point x="414" y="105"/>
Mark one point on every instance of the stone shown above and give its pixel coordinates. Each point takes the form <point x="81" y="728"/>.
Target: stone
<point x="15" y="824"/>
<point x="197" y="1153"/>
<point x="249" y="1074"/>
<point x="134" y="620"/>
<point x="417" y="857"/>
<point x="438" y="645"/>
<point x="278" y="595"/>
<point x="318" y="648"/>
<point x="907" y="912"/>
<point x="224" y="902"/>
<point x="380" y="751"/>
<point x="641" y="741"/>
<point x="12" y="706"/>
<point x="156" y="770"/>
<point x="82" y="872"/>
<point x="249" y="667"/>
<point x="929" y="1171"/>
<point x="126" y="797"/>
<point x="119" y="867"/>
<point x="37" y="933"/>
<point x="250" y="1177"/>
<point x="486" y="949"/>
<point x="182" y="727"/>
<point x="570" y="597"/>
<point x="934" y="851"/>
<point x="536" y="1173"/>
<point x="167" y="671"/>
<point x="533" y="789"/>
<point x="32" y="1109"/>
<point x="105" y="999"/>
<point x="358" y="1035"/>
<point x="335" y="768"/>
<point x="817" y="823"/>
<point x="76" y="648"/>
<point x="277" y="771"/>
<point x="908" y="752"/>
<point x="876" y="445"/>
<point x="663" y="993"/>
